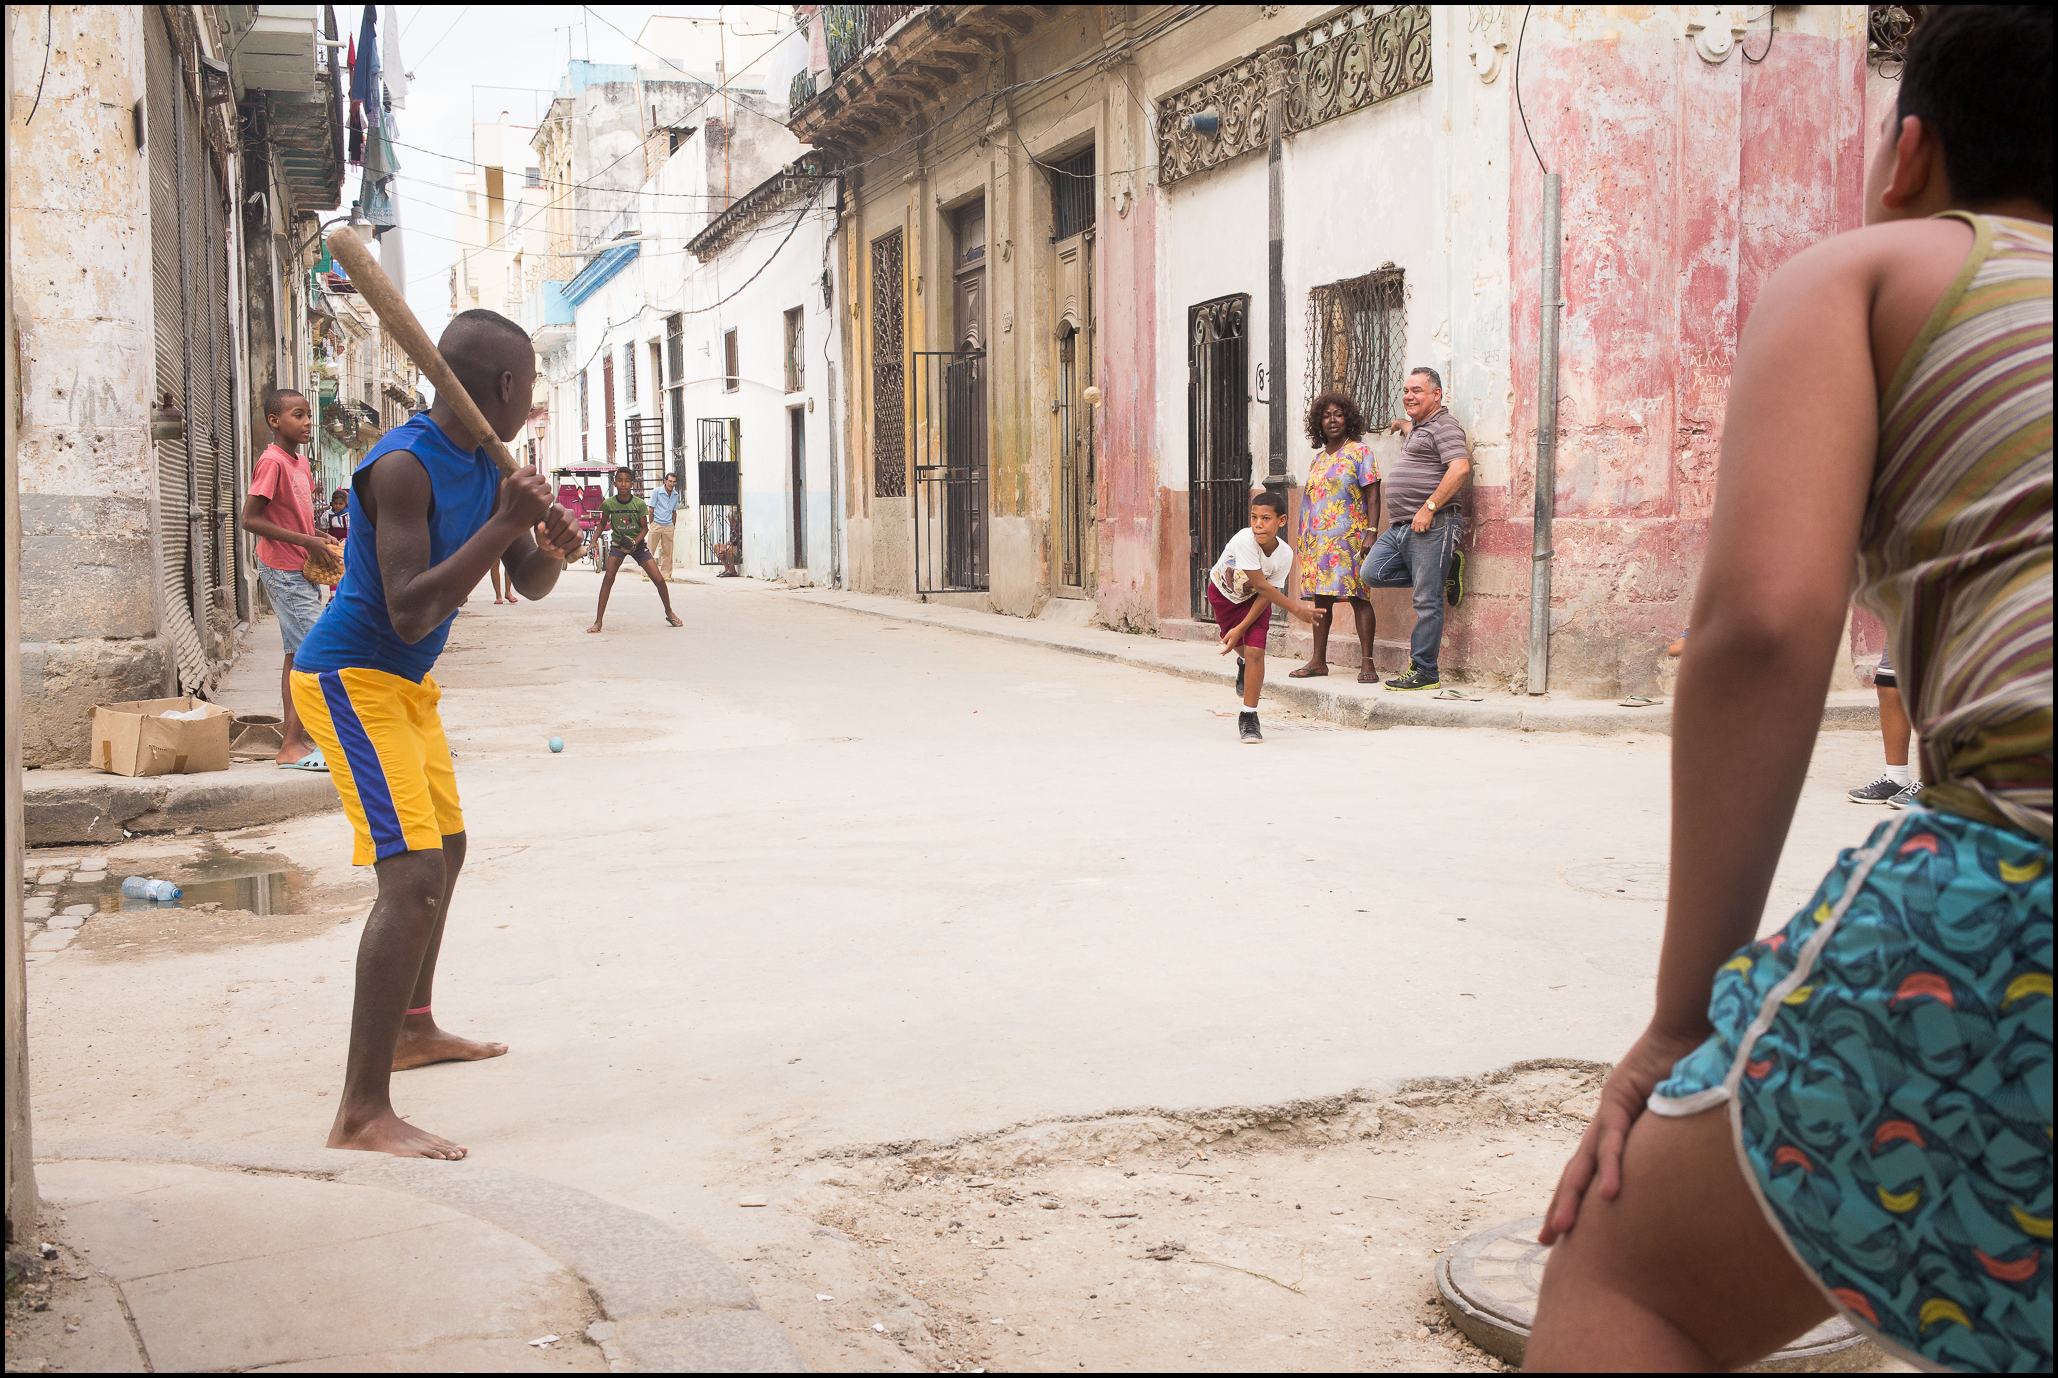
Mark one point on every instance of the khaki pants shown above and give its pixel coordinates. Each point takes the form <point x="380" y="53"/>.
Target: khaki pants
<point x="661" y="546"/>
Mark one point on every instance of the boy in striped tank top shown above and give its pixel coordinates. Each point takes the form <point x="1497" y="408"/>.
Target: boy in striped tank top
<point x="1854" y="1113"/>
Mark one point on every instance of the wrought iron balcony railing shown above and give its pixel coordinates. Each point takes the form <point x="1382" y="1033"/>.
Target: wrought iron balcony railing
<point x="852" y="29"/>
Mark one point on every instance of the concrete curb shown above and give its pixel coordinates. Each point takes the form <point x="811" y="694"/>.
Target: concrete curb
<point x="63" y="807"/>
<point x="1342" y="700"/>
<point x="667" y="1304"/>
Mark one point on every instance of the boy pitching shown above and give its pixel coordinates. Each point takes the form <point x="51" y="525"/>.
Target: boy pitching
<point x="429" y="513"/>
<point x="279" y="511"/>
<point x="1243" y="588"/>
<point x="626" y="519"/>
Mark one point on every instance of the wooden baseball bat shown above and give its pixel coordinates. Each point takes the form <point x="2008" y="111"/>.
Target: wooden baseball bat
<point x="375" y="287"/>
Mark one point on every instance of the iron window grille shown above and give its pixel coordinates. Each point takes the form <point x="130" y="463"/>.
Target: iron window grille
<point x="1887" y="29"/>
<point x="1357" y="342"/>
<point x="796" y="354"/>
<point x="889" y="370"/>
<point x="1072" y="185"/>
<point x="675" y="373"/>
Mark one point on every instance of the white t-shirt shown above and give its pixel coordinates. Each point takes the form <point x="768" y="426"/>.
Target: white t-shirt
<point x="1243" y="554"/>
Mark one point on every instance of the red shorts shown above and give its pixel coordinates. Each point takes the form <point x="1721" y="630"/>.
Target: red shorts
<point x="1228" y="616"/>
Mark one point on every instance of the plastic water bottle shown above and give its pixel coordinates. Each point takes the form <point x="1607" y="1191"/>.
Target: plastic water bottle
<point x="144" y="888"/>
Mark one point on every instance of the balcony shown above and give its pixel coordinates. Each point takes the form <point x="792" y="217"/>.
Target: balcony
<point x="283" y="65"/>
<point x="886" y="61"/>
<point x="548" y="314"/>
<point x="277" y="50"/>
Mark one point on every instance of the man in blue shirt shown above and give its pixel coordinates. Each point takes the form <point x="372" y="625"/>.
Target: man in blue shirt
<point x="664" y="512"/>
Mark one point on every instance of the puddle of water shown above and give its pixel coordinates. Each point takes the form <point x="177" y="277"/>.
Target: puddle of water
<point x="257" y="892"/>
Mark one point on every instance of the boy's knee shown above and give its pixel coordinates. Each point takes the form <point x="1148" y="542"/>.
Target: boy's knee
<point x="416" y="879"/>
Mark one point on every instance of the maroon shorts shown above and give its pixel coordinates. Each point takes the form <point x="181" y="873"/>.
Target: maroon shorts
<point x="1229" y="615"/>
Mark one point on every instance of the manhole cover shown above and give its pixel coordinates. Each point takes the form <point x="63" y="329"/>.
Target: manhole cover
<point x="1489" y="1279"/>
<point x="1618" y="880"/>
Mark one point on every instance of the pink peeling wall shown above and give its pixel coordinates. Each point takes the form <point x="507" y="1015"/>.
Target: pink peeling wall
<point x="1126" y="319"/>
<point x="1686" y="184"/>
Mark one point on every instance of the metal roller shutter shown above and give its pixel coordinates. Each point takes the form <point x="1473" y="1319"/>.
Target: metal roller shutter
<point x="165" y="94"/>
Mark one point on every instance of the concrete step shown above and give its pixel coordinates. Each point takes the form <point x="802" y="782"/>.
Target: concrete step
<point x="1294" y="640"/>
<point x="61" y="806"/>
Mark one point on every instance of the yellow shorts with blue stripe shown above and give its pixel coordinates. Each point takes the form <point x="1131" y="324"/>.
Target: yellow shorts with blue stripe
<point x="384" y="743"/>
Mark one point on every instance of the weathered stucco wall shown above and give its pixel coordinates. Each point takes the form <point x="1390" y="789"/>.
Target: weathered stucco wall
<point x="1688" y="178"/>
<point x="1693" y="166"/>
<point x="78" y="257"/>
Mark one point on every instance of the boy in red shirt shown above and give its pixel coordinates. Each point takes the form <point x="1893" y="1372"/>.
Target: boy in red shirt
<point x="280" y="512"/>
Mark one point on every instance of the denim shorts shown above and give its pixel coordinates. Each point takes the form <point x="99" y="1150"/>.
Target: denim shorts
<point x="297" y="602"/>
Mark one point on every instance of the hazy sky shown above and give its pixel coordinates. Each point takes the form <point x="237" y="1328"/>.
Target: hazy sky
<point x="475" y="61"/>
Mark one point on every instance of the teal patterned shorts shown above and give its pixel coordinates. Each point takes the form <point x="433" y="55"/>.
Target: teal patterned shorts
<point x="1886" y="1061"/>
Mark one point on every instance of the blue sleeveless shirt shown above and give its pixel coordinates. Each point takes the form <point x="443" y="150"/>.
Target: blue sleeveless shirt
<point x="355" y="630"/>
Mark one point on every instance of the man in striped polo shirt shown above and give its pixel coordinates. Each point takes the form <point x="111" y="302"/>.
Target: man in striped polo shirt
<point x="1425" y="515"/>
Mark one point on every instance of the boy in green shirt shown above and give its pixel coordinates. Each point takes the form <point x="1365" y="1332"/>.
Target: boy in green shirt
<point x="626" y="519"/>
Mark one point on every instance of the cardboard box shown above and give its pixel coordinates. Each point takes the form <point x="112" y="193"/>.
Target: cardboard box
<point x="137" y="739"/>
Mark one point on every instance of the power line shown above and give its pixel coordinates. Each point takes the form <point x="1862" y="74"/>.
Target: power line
<point x="424" y="58"/>
<point x="1522" y="34"/>
<point x="634" y="150"/>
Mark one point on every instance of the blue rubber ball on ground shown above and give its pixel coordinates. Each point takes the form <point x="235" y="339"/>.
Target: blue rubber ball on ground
<point x="557" y="744"/>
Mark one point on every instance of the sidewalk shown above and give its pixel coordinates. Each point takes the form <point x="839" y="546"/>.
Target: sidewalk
<point x="172" y="1257"/>
<point x="63" y="807"/>
<point x="1338" y="698"/>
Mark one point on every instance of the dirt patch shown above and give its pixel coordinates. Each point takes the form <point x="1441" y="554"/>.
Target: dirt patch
<point x="1294" y="1237"/>
<point x="1297" y="1236"/>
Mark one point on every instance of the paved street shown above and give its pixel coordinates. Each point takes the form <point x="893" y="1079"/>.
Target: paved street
<point x="803" y="882"/>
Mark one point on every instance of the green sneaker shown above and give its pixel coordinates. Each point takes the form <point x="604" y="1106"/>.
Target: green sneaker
<point x="1414" y="682"/>
<point x="1454" y="582"/>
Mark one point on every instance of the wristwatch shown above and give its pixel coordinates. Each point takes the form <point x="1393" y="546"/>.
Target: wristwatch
<point x="1430" y="503"/>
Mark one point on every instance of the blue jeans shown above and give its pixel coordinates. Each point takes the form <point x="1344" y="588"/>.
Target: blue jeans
<point x="1401" y="559"/>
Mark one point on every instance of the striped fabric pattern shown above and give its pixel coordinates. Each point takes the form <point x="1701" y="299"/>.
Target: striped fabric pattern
<point x="1955" y="556"/>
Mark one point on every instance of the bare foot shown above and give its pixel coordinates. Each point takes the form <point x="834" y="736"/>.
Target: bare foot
<point x="512" y="599"/>
<point x="386" y="1132"/>
<point x="673" y="618"/>
<point x="293" y="752"/>
<point x="1314" y="669"/>
<point x="592" y="629"/>
<point x="420" y="1047"/>
<point x="1368" y="675"/>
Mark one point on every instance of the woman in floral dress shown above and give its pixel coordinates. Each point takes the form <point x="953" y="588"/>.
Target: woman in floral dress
<point x="1337" y="524"/>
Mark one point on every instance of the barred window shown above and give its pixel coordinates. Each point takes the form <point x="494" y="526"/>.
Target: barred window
<point x="1357" y="339"/>
<point x="889" y="371"/>
<point x="1071" y="195"/>
<point x="796" y="353"/>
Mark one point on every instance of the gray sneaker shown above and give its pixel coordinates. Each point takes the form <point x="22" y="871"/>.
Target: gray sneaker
<point x="1878" y="792"/>
<point x="1247" y="728"/>
<point x="1908" y="798"/>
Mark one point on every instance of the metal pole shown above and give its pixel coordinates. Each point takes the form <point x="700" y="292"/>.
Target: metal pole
<point x="1546" y="479"/>
<point x="1275" y="262"/>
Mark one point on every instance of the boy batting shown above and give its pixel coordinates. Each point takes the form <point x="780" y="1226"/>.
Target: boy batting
<point x="430" y="513"/>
